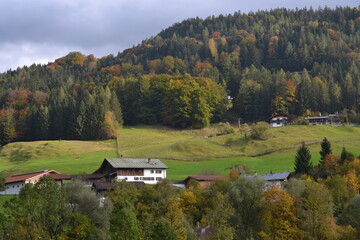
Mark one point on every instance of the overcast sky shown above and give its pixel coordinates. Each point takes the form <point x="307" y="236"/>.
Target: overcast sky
<point x="39" y="31"/>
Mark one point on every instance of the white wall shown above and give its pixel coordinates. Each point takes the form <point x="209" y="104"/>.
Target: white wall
<point x="277" y="122"/>
<point x="12" y="188"/>
<point x="150" y="176"/>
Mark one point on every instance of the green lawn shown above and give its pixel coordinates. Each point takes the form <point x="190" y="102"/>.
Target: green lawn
<point x="63" y="156"/>
<point x="186" y="152"/>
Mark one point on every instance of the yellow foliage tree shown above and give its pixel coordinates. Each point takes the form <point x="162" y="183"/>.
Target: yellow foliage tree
<point x="352" y="181"/>
<point x="279" y="216"/>
<point x="176" y="217"/>
<point x="213" y="49"/>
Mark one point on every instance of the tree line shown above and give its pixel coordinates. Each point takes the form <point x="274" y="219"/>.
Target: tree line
<point x="298" y="62"/>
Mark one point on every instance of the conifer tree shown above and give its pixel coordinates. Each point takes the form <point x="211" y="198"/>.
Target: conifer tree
<point x="346" y="156"/>
<point x="115" y="107"/>
<point x="303" y="160"/>
<point x="41" y="123"/>
<point x="325" y="149"/>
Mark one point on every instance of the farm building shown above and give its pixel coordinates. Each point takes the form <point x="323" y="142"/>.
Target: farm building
<point x="272" y="178"/>
<point x="14" y="183"/>
<point x="322" y="120"/>
<point x="149" y="171"/>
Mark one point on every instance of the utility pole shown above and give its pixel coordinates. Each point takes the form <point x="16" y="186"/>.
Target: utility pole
<point x="239" y="122"/>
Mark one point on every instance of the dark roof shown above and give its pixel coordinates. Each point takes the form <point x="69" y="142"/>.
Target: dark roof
<point x="76" y="176"/>
<point x="61" y="176"/>
<point x="177" y="181"/>
<point x="272" y="176"/>
<point x="25" y="176"/>
<point x="320" y="117"/>
<point x="136" y="163"/>
<point x="102" y="186"/>
<point x="204" y="177"/>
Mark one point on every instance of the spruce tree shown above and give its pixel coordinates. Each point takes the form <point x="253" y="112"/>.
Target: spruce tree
<point x="325" y="149"/>
<point x="303" y="160"/>
<point x="346" y="156"/>
<point x="115" y="107"/>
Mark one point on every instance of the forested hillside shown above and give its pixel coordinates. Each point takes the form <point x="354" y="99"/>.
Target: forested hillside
<point x="289" y="61"/>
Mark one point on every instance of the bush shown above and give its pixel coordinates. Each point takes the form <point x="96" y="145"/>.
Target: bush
<point x="259" y="130"/>
<point x="225" y="128"/>
<point x="301" y="121"/>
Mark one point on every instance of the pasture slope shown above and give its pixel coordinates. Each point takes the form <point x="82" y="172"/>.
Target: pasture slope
<point x="186" y="152"/>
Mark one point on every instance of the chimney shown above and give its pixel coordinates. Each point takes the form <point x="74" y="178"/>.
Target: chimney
<point x="149" y="160"/>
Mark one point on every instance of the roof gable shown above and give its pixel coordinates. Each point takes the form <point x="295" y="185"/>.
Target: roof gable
<point x="272" y="176"/>
<point x="136" y="163"/>
<point x="204" y="177"/>
<point x="25" y="176"/>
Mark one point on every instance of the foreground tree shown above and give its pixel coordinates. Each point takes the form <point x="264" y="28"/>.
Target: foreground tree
<point x="317" y="213"/>
<point x="245" y="197"/>
<point x="39" y="211"/>
<point x="84" y="201"/>
<point x="218" y="216"/>
<point x="279" y="217"/>
<point x="303" y="163"/>
<point x="351" y="214"/>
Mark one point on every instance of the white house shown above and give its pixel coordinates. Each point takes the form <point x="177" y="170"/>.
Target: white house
<point x="149" y="171"/>
<point x="14" y="183"/>
<point x="279" y="120"/>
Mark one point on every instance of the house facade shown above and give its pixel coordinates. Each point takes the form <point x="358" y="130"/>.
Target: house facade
<point x="321" y="120"/>
<point x="279" y="120"/>
<point x="15" y="183"/>
<point x="149" y="171"/>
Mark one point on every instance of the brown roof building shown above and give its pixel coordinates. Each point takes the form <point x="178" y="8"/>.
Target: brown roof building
<point x="14" y="183"/>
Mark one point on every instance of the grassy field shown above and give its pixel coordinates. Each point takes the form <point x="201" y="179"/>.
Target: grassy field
<point x="63" y="156"/>
<point x="186" y="152"/>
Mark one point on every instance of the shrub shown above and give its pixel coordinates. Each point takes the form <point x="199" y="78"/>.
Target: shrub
<point x="301" y="121"/>
<point x="259" y="130"/>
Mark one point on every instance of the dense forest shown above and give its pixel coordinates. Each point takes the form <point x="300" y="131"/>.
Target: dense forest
<point x="298" y="62"/>
<point x="318" y="202"/>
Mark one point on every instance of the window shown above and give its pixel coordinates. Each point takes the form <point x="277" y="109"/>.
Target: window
<point x="151" y="171"/>
<point x="147" y="178"/>
<point x="158" y="178"/>
<point x="158" y="171"/>
<point x="136" y="178"/>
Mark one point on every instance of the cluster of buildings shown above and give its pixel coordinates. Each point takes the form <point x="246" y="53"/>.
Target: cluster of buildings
<point x="280" y="120"/>
<point x="134" y="171"/>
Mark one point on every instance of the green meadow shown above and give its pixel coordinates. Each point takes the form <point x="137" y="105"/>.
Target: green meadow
<point x="186" y="152"/>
